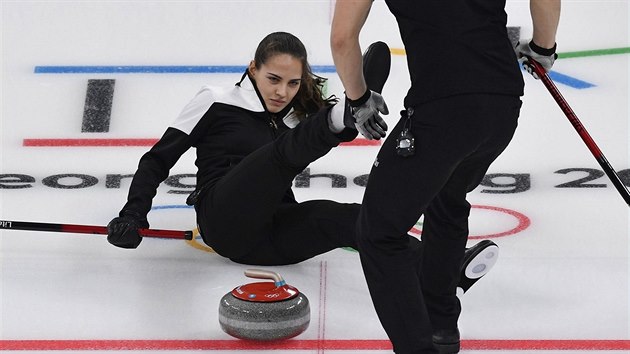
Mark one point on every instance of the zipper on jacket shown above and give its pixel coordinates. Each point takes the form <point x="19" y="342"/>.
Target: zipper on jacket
<point x="272" y="122"/>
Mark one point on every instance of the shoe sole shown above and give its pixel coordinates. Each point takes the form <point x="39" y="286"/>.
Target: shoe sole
<point x="480" y="260"/>
<point x="377" y="62"/>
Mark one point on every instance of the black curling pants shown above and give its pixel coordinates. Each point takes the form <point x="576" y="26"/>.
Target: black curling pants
<point x="412" y="284"/>
<point x="244" y="218"/>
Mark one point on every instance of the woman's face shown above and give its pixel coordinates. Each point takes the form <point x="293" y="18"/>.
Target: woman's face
<point x="278" y="80"/>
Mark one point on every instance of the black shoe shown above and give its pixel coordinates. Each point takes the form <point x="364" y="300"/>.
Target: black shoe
<point x="478" y="260"/>
<point x="377" y="62"/>
<point x="446" y="341"/>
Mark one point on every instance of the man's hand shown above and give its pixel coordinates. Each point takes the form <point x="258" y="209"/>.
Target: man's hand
<point x="527" y="49"/>
<point x="366" y="112"/>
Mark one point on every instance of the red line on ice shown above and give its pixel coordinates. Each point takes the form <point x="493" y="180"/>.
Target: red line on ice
<point x="326" y="344"/>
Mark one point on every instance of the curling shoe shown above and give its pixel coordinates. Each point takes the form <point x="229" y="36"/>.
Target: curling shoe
<point x="377" y="61"/>
<point x="446" y="341"/>
<point x="478" y="260"/>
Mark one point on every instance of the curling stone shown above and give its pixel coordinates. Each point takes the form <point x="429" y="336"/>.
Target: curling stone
<point x="264" y="310"/>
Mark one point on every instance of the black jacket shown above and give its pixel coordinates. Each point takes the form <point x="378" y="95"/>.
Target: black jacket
<point x="223" y="124"/>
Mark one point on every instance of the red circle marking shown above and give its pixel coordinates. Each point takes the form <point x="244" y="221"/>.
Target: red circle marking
<point x="523" y="223"/>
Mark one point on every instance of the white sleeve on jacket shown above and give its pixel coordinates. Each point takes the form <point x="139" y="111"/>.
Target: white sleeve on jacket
<point x="195" y="109"/>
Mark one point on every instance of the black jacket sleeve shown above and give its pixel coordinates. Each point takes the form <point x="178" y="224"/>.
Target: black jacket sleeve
<point x="154" y="168"/>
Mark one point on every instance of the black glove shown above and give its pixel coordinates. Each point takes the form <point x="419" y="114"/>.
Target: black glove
<point x="123" y="232"/>
<point x="366" y="112"/>
<point x="543" y="56"/>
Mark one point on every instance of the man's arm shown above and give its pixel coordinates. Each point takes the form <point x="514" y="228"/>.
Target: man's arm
<point x="542" y="47"/>
<point x="348" y="20"/>
<point x="545" y="18"/>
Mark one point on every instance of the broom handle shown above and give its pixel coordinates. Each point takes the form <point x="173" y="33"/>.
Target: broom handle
<point x="581" y="130"/>
<point x="88" y="229"/>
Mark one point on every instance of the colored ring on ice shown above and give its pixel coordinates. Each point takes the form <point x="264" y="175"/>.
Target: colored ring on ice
<point x="196" y="235"/>
<point x="523" y="223"/>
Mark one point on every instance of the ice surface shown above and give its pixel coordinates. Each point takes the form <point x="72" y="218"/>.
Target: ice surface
<point x="564" y="277"/>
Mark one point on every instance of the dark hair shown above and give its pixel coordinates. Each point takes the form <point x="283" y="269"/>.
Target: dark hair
<point x="309" y="98"/>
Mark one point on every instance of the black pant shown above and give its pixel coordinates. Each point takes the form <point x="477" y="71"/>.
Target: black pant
<point x="413" y="284"/>
<point x="243" y="217"/>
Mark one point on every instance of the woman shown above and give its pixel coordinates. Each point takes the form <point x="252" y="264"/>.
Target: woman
<point x="245" y="131"/>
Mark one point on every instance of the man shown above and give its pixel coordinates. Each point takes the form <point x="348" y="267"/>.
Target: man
<point x="460" y="113"/>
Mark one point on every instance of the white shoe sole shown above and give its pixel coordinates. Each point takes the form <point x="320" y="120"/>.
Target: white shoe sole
<point x="481" y="264"/>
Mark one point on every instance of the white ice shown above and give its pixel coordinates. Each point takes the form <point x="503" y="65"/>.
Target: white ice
<point x="565" y="277"/>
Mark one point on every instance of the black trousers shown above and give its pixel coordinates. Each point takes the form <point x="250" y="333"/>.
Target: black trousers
<point x="244" y="218"/>
<point x="413" y="284"/>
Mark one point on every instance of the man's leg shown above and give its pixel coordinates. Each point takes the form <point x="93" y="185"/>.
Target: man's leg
<point x="445" y="230"/>
<point x="398" y="191"/>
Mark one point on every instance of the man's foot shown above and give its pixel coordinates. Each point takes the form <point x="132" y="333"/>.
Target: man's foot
<point x="446" y="341"/>
<point x="478" y="260"/>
